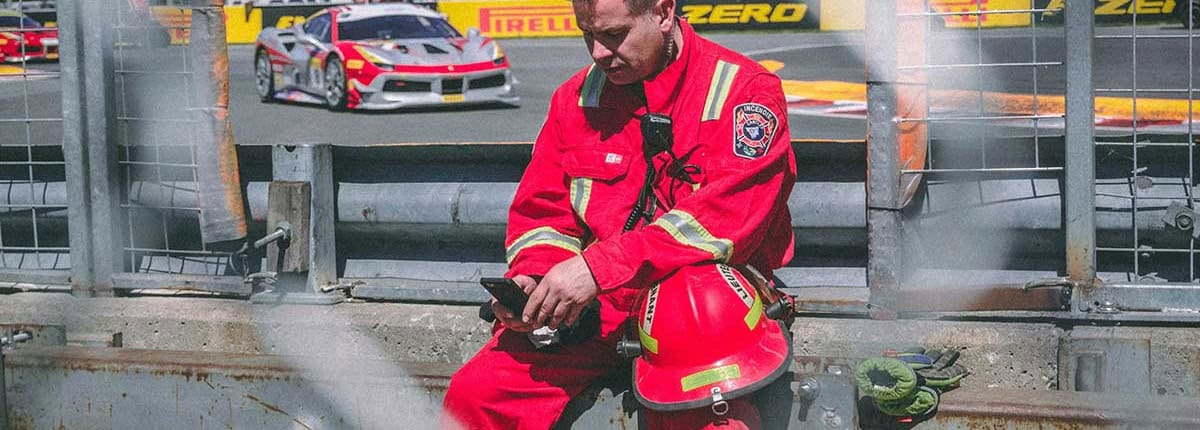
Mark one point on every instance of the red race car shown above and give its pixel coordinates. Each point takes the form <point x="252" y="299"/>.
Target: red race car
<point x="23" y="39"/>
<point x="382" y="56"/>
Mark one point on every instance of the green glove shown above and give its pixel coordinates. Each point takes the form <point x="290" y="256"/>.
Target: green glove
<point x="910" y="384"/>
<point x="886" y="379"/>
<point x="923" y="401"/>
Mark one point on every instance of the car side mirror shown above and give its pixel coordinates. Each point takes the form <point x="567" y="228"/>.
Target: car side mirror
<point x="473" y="33"/>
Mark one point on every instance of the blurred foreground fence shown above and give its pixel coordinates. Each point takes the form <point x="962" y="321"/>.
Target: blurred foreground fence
<point x="972" y="204"/>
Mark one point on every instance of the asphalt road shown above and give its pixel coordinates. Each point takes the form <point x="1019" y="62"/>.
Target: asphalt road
<point x="541" y="64"/>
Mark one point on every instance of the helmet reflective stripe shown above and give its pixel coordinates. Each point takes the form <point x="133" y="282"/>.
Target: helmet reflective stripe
<point x="752" y="301"/>
<point x="710" y="376"/>
<point x="718" y="90"/>
<point x="648" y="342"/>
<point x="685" y="229"/>
<point x="581" y="193"/>
<point x="755" y="314"/>
<point x="542" y="236"/>
<point x="589" y="95"/>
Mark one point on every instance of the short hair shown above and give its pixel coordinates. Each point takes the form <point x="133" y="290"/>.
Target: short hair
<point x="636" y="7"/>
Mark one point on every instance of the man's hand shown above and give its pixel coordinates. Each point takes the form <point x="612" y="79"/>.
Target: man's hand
<point x="563" y="293"/>
<point x="507" y="316"/>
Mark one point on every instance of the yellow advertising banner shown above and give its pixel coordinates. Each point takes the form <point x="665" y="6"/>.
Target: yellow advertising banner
<point x="967" y="19"/>
<point x="242" y="24"/>
<point x="512" y="18"/>
<point x="837" y="15"/>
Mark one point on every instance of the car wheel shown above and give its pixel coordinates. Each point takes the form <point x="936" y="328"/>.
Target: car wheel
<point x="335" y="85"/>
<point x="264" y="78"/>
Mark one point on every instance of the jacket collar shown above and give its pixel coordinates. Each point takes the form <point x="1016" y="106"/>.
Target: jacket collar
<point x="664" y="88"/>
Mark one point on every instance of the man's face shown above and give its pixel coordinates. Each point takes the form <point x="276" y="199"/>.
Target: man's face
<point x="627" y="47"/>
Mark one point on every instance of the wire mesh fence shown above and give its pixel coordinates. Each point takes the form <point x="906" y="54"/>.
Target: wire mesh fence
<point x="33" y="233"/>
<point x="157" y="127"/>
<point x="1146" y="162"/>
<point x="983" y="120"/>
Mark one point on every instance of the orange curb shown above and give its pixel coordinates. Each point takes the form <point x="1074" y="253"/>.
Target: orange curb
<point x="11" y="70"/>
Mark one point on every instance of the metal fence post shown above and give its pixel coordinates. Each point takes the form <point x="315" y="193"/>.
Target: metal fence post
<point x="1079" y="191"/>
<point x="883" y="185"/>
<point x="92" y="175"/>
<point x="311" y="163"/>
<point x="3" y="394"/>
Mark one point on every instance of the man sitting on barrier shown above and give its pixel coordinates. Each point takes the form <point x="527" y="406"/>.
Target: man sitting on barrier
<point x="667" y="155"/>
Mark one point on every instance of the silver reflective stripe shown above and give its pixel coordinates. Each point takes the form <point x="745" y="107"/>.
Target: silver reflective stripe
<point x="685" y="229"/>
<point x="581" y="193"/>
<point x="593" y="85"/>
<point x="542" y="236"/>
<point x="718" y="90"/>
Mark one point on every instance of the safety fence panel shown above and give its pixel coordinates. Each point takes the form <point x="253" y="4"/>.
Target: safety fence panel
<point x="1056" y="157"/>
<point x="968" y="135"/>
<point x="980" y="143"/>
<point x="33" y="231"/>
<point x="1145" y="140"/>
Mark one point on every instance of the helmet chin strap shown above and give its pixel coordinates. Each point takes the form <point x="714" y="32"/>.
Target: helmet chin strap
<point x="719" y="407"/>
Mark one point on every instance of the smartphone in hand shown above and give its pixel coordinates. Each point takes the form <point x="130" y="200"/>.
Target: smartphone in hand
<point x="507" y="292"/>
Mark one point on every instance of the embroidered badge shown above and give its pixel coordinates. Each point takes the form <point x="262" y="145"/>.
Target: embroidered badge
<point x="753" y="129"/>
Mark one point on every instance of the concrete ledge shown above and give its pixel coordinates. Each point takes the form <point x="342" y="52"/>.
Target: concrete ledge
<point x="1009" y="355"/>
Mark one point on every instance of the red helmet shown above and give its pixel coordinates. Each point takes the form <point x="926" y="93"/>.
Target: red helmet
<point x="705" y="339"/>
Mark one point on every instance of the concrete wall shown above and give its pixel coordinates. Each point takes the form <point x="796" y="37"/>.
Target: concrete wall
<point x="1010" y="355"/>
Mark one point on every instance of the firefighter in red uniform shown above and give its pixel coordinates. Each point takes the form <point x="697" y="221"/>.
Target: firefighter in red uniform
<point x="604" y="210"/>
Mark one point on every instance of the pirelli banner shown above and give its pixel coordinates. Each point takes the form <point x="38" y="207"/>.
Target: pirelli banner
<point x="555" y="18"/>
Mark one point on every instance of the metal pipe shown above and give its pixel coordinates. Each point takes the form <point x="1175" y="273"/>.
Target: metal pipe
<point x="884" y="259"/>
<point x="3" y="394"/>
<point x="1079" y="202"/>
<point x="824" y="213"/>
<point x="74" y="146"/>
<point x="220" y="189"/>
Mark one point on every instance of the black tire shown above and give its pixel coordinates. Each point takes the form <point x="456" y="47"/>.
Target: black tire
<point x="264" y="78"/>
<point x="1182" y="11"/>
<point x="335" y="85"/>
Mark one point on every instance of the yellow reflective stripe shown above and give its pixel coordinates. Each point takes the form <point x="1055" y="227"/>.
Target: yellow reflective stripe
<point x="710" y="376"/>
<point x="743" y="292"/>
<point x="542" y="236"/>
<point x="755" y="314"/>
<point x="593" y="85"/>
<point x="581" y="194"/>
<point x="718" y="90"/>
<point x="648" y="343"/>
<point x="685" y="229"/>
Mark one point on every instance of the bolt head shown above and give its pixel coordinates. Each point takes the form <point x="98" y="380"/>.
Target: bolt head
<point x="1184" y="221"/>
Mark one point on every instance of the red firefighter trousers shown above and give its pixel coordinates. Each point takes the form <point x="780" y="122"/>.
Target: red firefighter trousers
<point x="510" y="385"/>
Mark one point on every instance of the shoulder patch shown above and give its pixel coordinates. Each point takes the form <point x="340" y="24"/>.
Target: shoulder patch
<point x="754" y="128"/>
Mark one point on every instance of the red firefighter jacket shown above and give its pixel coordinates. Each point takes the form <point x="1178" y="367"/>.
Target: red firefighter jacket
<point x="729" y="121"/>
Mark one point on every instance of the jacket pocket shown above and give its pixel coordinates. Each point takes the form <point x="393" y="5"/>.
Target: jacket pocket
<point x="596" y="163"/>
